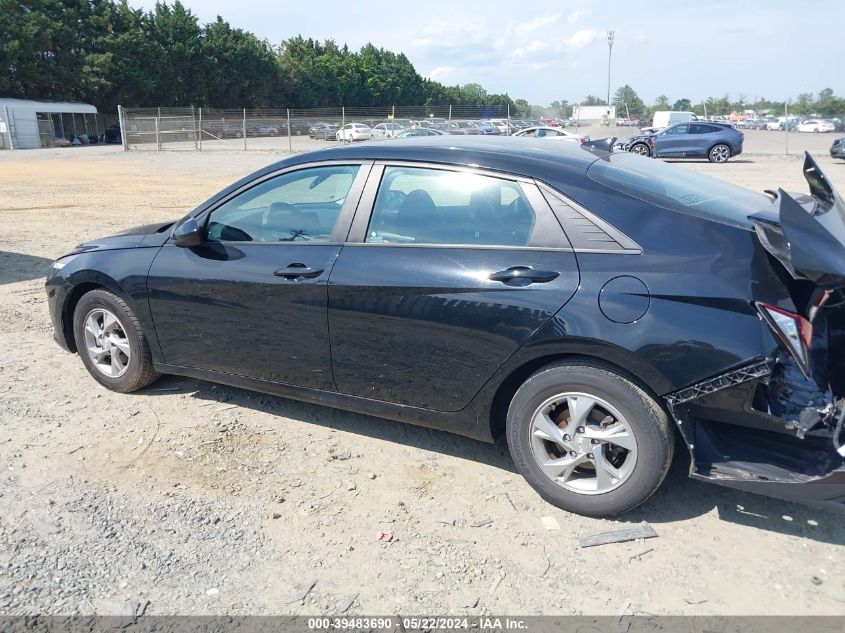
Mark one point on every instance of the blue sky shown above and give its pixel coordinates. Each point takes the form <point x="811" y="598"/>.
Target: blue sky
<point x="545" y="50"/>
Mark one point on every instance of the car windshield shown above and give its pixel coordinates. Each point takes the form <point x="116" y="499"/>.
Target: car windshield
<point x="678" y="188"/>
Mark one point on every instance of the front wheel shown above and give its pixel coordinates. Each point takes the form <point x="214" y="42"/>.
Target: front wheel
<point x="719" y="153"/>
<point x="640" y="149"/>
<point x="588" y="440"/>
<point x="111" y="343"/>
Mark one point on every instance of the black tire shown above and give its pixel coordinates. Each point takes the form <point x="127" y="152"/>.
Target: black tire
<point x="647" y="421"/>
<point x="139" y="371"/>
<point x="640" y="149"/>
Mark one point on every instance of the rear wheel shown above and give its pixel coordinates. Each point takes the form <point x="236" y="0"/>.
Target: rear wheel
<point x="719" y="153"/>
<point x="111" y="343"/>
<point x="588" y="440"/>
<point x="640" y="149"/>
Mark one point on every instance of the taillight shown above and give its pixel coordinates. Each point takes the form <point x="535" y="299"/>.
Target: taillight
<point x="794" y="332"/>
<point x="582" y="139"/>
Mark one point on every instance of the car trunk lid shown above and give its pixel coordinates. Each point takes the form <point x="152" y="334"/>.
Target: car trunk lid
<point x="806" y="234"/>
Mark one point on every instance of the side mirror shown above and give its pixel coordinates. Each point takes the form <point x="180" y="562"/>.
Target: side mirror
<point x="187" y="233"/>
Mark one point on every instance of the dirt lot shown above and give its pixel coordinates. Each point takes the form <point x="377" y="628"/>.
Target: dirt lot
<point x="206" y="499"/>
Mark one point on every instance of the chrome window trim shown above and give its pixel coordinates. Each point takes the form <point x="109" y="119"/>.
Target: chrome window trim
<point x="545" y="221"/>
<point x="341" y="227"/>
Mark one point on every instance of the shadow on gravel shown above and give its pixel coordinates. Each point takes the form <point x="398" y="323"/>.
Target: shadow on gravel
<point x="16" y="267"/>
<point x="678" y="499"/>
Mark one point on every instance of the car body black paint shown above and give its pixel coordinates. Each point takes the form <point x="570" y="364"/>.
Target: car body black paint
<point x="416" y="338"/>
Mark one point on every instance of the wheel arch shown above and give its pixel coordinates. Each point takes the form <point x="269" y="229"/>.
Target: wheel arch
<point x="507" y="388"/>
<point x="725" y="143"/>
<point x="83" y="283"/>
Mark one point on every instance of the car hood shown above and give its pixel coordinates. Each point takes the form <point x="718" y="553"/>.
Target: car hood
<point x="144" y="235"/>
<point x="807" y="233"/>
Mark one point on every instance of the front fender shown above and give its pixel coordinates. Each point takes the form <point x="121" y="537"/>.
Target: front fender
<point x="126" y="277"/>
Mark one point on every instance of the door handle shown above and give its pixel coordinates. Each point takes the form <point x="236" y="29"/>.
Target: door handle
<point x="524" y="274"/>
<point x="298" y="271"/>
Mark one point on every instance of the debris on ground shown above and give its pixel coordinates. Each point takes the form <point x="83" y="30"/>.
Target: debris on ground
<point x="481" y="523"/>
<point x="618" y="536"/>
<point x="384" y="537"/>
<point x="550" y="523"/>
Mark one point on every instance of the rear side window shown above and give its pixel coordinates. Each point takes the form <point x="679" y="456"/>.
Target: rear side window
<point x="678" y="188"/>
<point x="433" y="206"/>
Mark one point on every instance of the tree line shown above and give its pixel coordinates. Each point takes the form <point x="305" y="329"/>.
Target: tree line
<point x="106" y="53"/>
<point x="824" y="104"/>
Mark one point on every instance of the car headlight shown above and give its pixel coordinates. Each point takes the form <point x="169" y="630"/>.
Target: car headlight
<point x="63" y="261"/>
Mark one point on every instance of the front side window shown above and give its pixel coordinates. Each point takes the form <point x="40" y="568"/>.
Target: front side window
<point x="677" y="130"/>
<point x="299" y="206"/>
<point x="433" y="206"/>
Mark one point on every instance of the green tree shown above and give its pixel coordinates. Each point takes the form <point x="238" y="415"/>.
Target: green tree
<point x="627" y="97"/>
<point x="682" y="105"/>
<point x="592" y="100"/>
<point x="243" y="66"/>
<point x="662" y="103"/>
<point x="182" y="71"/>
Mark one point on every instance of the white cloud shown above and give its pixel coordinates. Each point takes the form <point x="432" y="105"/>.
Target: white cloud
<point x="576" y="15"/>
<point x="534" y="47"/>
<point x="441" y="73"/>
<point x="525" y="28"/>
<point x="581" y="38"/>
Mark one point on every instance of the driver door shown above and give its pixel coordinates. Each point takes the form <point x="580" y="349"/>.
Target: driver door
<point x="252" y="299"/>
<point x="673" y="141"/>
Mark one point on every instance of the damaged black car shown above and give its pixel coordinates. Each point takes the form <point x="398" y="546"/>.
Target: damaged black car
<point x="596" y="309"/>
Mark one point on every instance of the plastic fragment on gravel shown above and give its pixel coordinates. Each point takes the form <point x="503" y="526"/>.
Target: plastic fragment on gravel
<point x="384" y="537"/>
<point x="550" y="523"/>
<point x="618" y="536"/>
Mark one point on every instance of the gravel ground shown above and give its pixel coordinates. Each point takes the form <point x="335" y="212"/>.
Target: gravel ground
<point x="193" y="498"/>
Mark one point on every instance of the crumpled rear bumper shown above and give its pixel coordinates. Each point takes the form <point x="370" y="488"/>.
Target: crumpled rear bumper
<point x="733" y="443"/>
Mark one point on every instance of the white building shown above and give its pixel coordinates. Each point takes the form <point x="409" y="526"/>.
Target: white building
<point x="593" y="113"/>
<point x="29" y="124"/>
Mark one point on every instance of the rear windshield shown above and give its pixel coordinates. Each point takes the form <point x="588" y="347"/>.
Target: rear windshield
<point x="678" y="188"/>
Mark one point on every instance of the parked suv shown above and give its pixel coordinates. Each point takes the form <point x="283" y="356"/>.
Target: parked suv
<point x="715" y="141"/>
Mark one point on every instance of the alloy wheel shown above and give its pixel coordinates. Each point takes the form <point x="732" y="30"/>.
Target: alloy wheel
<point x="582" y="443"/>
<point x="720" y="154"/>
<point x="640" y="150"/>
<point x="106" y="343"/>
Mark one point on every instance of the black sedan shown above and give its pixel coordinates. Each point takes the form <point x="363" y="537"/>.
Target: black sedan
<point x="594" y="308"/>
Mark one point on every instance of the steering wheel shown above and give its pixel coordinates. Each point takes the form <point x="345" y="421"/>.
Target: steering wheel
<point x="394" y="199"/>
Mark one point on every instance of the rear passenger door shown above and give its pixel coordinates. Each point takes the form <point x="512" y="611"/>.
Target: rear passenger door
<point x="445" y="273"/>
<point x="702" y="138"/>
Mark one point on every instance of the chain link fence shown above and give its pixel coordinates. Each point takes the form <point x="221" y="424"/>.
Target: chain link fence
<point x="201" y="129"/>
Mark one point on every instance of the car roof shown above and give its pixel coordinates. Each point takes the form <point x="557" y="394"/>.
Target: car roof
<point x="555" y="163"/>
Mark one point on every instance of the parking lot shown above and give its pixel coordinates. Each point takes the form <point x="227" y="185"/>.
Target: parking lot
<point x="205" y="499"/>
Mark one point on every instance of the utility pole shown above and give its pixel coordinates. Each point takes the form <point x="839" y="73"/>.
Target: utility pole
<point x="610" y="35"/>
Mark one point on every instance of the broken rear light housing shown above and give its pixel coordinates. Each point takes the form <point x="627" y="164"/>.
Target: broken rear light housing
<point x="792" y="330"/>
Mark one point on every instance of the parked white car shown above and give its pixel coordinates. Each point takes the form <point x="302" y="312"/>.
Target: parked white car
<point x="815" y="125"/>
<point x="554" y="133"/>
<point x="503" y="125"/>
<point x="353" y="132"/>
<point x="386" y="130"/>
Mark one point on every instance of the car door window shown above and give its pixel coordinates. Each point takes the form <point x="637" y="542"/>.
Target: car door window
<point x="298" y="206"/>
<point x="677" y="130"/>
<point x="433" y="206"/>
